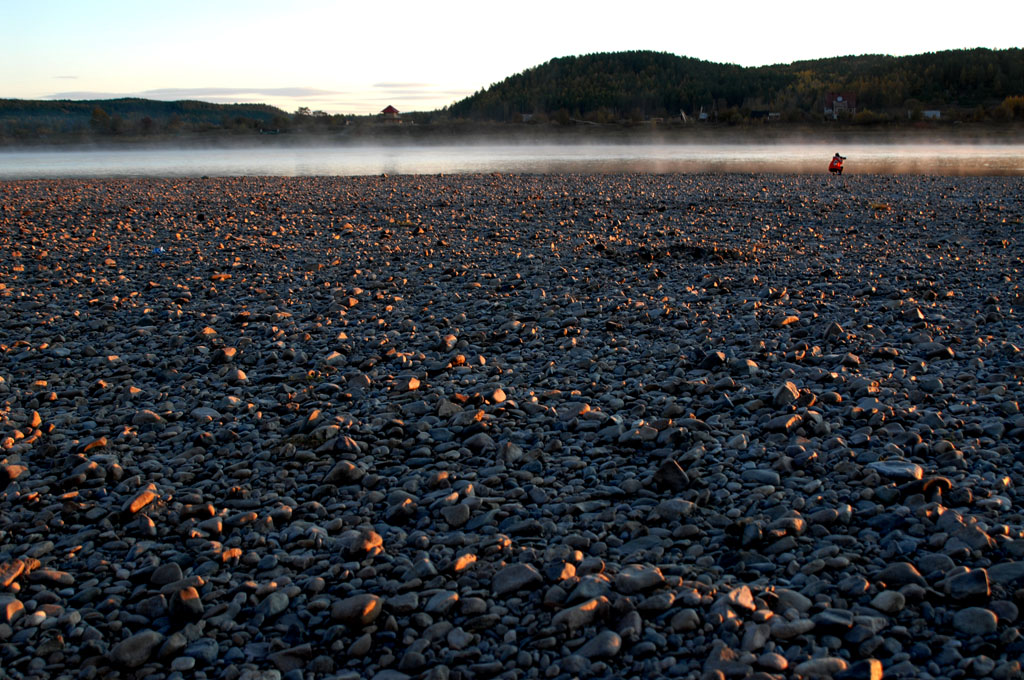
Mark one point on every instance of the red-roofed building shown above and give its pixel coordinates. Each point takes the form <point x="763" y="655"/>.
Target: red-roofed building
<point x="840" y="104"/>
<point x="391" y="115"/>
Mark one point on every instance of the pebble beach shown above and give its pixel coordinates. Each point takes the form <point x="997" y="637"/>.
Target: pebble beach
<point x="699" y="426"/>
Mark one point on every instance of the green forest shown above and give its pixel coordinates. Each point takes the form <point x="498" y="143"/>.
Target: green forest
<point x="976" y="85"/>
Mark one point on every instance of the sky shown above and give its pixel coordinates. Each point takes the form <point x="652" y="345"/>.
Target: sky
<point x="357" y="57"/>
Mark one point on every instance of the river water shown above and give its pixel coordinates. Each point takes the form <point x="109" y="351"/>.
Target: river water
<point x="276" y="160"/>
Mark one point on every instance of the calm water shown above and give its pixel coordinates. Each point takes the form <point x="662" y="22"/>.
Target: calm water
<point x="938" y="159"/>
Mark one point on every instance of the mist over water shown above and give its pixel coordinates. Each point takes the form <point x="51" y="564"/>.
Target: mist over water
<point x="918" y="158"/>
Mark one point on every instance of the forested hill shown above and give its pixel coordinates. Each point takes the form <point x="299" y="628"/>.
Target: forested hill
<point x="614" y="86"/>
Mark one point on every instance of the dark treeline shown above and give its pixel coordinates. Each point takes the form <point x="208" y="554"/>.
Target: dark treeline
<point x="64" y="120"/>
<point x="977" y="85"/>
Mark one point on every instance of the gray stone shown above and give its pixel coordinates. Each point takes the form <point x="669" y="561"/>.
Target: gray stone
<point x="406" y="603"/>
<point x="970" y="584"/>
<point x="786" y="394"/>
<point x="685" y="620"/>
<point x="186" y="604"/>
<point x="900" y="574"/>
<point x="636" y="578"/>
<point x="605" y="644"/>
<point x="755" y="636"/>
<point x="167" y="573"/>
<point x="581" y="615"/>
<point x="792" y="599"/>
<point x="1007" y="573"/>
<point x="827" y="666"/>
<point x="11" y="608"/>
<point x="889" y="601"/>
<point x="741" y="600"/>
<point x="456" y="515"/>
<point x="441" y="602"/>
<point x="273" y="604"/>
<point x="724" y="660"/>
<point x="773" y="661"/>
<point x="137" y="649"/>
<point x="358" y="610"/>
<point x="835" y="618"/>
<point x="761" y="476"/>
<point x="344" y="472"/>
<point x="204" y="650"/>
<point x="675" y="509"/>
<point x="515" y="578"/>
<point x="459" y="639"/>
<point x="975" y="621"/>
<point x="785" y="630"/>
<point x="900" y="470"/>
<point x="670" y="475"/>
<point x="786" y="423"/>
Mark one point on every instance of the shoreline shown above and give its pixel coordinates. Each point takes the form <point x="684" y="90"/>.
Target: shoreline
<point x="524" y="133"/>
<point x="356" y="160"/>
<point x="510" y="425"/>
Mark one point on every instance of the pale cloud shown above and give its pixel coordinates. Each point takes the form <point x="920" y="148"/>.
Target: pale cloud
<point x="403" y="86"/>
<point x="290" y="92"/>
<point x="419" y="94"/>
<point x="87" y="94"/>
<point x="204" y="93"/>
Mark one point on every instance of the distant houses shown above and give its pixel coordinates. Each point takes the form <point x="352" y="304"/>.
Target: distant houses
<point x="839" y="105"/>
<point x="390" y="115"/>
<point x="712" y="116"/>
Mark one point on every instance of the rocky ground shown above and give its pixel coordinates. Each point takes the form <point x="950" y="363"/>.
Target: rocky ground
<point x="512" y="427"/>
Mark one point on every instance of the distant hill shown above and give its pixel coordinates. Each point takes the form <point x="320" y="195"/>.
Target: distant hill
<point x="637" y="85"/>
<point x="23" y="118"/>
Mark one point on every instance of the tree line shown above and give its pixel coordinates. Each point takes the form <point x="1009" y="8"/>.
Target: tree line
<point x="977" y="84"/>
<point x="68" y="120"/>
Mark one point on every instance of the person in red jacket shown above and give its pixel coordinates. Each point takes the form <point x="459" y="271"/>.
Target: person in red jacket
<point x="836" y="166"/>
